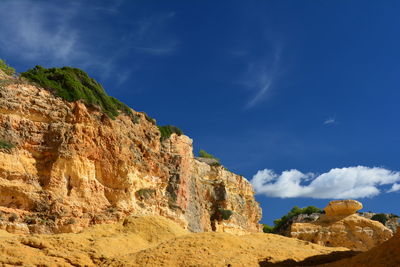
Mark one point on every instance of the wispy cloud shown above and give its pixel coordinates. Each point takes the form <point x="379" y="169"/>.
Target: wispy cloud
<point x="338" y="183"/>
<point x="46" y="33"/>
<point x="330" y="120"/>
<point x="262" y="75"/>
<point x="31" y="31"/>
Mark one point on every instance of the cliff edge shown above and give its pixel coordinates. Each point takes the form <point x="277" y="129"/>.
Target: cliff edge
<point x="66" y="165"/>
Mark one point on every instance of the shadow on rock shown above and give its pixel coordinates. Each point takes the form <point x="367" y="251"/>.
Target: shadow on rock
<point x="312" y="261"/>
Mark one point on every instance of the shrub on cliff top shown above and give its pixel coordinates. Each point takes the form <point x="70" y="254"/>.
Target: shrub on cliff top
<point x="167" y="130"/>
<point x="7" y="69"/>
<point x="267" y="228"/>
<point x="380" y="217"/>
<point x="294" y="212"/>
<point x="204" y="154"/>
<point x="73" y="84"/>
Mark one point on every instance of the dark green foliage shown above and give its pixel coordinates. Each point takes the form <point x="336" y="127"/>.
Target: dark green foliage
<point x="294" y="212"/>
<point x="204" y="154"/>
<point x="380" y="217"/>
<point x="149" y="119"/>
<point x="7" y="69"/>
<point x="145" y="193"/>
<point x="13" y="217"/>
<point x="73" y="84"/>
<point x="225" y="214"/>
<point x="71" y="221"/>
<point x="167" y="130"/>
<point x="5" y="145"/>
<point x="267" y="228"/>
<point x="30" y="220"/>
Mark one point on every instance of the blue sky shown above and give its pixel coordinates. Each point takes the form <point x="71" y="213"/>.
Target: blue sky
<point x="301" y="97"/>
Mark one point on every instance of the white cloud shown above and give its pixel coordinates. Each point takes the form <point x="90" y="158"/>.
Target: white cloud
<point x="330" y="121"/>
<point x="395" y="187"/>
<point x="338" y="183"/>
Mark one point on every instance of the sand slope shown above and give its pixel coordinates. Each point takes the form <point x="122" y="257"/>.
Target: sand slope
<point x="152" y="241"/>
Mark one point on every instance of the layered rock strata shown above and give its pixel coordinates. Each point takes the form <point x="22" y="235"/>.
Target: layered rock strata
<point x="72" y="166"/>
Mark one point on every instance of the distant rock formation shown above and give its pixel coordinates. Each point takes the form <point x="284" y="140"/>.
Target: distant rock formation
<point x="386" y="254"/>
<point x="342" y="207"/>
<point x="67" y="165"/>
<point x="342" y="227"/>
<point x="392" y="221"/>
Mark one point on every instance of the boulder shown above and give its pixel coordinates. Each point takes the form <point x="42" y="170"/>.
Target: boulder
<point x="342" y="207"/>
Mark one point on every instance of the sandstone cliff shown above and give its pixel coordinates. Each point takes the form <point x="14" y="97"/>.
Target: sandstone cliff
<point x="341" y="227"/>
<point x="70" y="166"/>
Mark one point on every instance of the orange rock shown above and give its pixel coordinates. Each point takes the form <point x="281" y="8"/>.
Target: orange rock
<point x="73" y="167"/>
<point x="340" y="227"/>
<point x="342" y="207"/>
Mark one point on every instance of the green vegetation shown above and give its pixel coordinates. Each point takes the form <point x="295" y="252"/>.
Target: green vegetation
<point x="73" y="84"/>
<point x="204" y="154"/>
<point x="149" y="119"/>
<point x="167" y="130"/>
<point x="225" y="214"/>
<point x="5" y="145"/>
<point x="380" y="217"/>
<point x="278" y="223"/>
<point x="13" y="217"/>
<point x="145" y="193"/>
<point x="267" y="228"/>
<point x="5" y="68"/>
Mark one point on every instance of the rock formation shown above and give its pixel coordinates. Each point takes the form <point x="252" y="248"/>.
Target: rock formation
<point x="385" y="255"/>
<point x="342" y="207"/>
<point x="341" y="227"/>
<point x="70" y="166"/>
<point x="392" y="221"/>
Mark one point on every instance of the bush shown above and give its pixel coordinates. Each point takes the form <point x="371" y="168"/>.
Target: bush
<point x="7" y="69"/>
<point x="292" y="213"/>
<point x="5" y="145"/>
<point x="380" y="217"/>
<point x="225" y="214"/>
<point x="167" y="130"/>
<point x="267" y="228"/>
<point x="204" y="154"/>
<point x="13" y="217"/>
<point x="73" y="84"/>
<point x="149" y="119"/>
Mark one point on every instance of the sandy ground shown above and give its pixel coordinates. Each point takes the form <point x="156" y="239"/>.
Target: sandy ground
<point x="157" y="241"/>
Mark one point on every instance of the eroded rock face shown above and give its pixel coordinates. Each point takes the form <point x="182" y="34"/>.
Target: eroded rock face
<point x="72" y="167"/>
<point x="342" y="207"/>
<point x="338" y="228"/>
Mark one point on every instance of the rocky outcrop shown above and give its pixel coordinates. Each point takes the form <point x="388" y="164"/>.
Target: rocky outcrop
<point x="72" y="166"/>
<point x="391" y="221"/>
<point x="342" y="207"/>
<point x="339" y="228"/>
<point x="385" y="255"/>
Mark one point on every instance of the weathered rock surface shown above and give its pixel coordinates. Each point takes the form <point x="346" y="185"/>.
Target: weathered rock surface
<point x="342" y="207"/>
<point x="385" y="255"/>
<point x="72" y="167"/>
<point x="339" y="229"/>
<point x="392" y="220"/>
